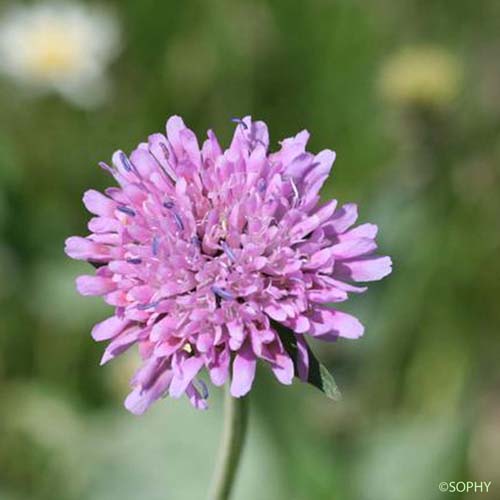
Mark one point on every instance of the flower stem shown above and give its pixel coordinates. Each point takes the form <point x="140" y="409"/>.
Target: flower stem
<point x="233" y="437"/>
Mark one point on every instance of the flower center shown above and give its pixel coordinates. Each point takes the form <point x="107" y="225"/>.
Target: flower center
<point x="53" y="51"/>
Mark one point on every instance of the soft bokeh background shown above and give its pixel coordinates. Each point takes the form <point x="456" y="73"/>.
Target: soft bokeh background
<point x="408" y="94"/>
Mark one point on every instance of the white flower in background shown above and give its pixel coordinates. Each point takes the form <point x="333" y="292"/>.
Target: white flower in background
<point x="59" y="46"/>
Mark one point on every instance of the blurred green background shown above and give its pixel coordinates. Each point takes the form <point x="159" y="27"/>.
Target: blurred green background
<point x="408" y="94"/>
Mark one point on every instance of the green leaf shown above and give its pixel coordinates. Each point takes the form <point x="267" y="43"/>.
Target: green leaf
<point x="318" y="376"/>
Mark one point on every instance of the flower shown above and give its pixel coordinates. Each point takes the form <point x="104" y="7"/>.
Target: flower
<point x="203" y="252"/>
<point x="58" y="46"/>
<point x="425" y="75"/>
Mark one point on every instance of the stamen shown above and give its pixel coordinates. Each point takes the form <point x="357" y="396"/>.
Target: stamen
<point x="166" y="168"/>
<point x="126" y="210"/>
<point x="155" y="246"/>
<point x="195" y="240"/>
<point x="168" y="204"/>
<point x="126" y="162"/>
<point x="154" y="156"/>
<point x="223" y="223"/>
<point x="228" y="251"/>
<point x="178" y="221"/>
<point x="134" y="260"/>
<point x="295" y="190"/>
<point x="222" y="293"/>
<point x="239" y="121"/>
<point x="187" y="347"/>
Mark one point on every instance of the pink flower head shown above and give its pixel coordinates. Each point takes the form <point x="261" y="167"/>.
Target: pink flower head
<point x="204" y="253"/>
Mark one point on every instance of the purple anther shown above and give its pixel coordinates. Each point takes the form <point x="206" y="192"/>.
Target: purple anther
<point x="168" y="204"/>
<point x="165" y="150"/>
<point x="239" y="121"/>
<point x="143" y="307"/>
<point x="178" y="221"/>
<point x="155" y="246"/>
<point x="134" y="260"/>
<point x="228" y="251"/>
<point x="222" y="293"/>
<point x="126" y="210"/>
<point x="126" y="162"/>
<point x="202" y="387"/>
<point x="261" y="185"/>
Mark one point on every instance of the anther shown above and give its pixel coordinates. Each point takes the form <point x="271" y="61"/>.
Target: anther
<point x="143" y="307"/>
<point x="261" y="185"/>
<point x="222" y="293"/>
<point x="125" y="161"/>
<point x="228" y="251"/>
<point x="178" y="221"/>
<point x="239" y="121"/>
<point x="126" y="210"/>
<point x="134" y="260"/>
<point x="203" y="388"/>
<point x="155" y="245"/>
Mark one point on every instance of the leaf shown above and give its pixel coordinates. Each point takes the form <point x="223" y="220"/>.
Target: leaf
<point x="318" y="376"/>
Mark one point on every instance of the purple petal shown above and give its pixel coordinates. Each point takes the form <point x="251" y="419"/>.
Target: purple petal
<point x="189" y="369"/>
<point x="109" y="328"/>
<point x="283" y="368"/>
<point x="354" y="248"/>
<point x="80" y="248"/>
<point x="367" y="269"/>
<point x="362" y="231"/>
<point x="98" y="204"/>
<point x="244" y="366"/>
<point x="139" y="400"/>
<point x="144" y="161"/>
<point x="94" y="285"/>
<point x="104" y="225"/>
<point x="219" y="368"/>
<point x="342" y="220"/>
<point x="317" y="176"/>
<point x="291" y="148"/>
<point x="329" y="324"/>
<point x="302" y="358"/>
<point x="120" y="344"/>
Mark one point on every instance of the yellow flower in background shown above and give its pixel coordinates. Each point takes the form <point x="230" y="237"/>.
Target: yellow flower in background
<point x="61" y="47"/>
<point x="425" y="75"/>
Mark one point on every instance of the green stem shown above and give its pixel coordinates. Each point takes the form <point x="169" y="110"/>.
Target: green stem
<point x="233" y="437"/>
